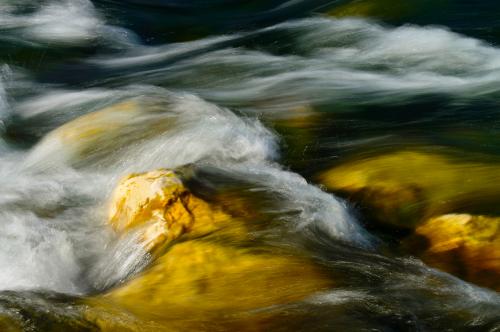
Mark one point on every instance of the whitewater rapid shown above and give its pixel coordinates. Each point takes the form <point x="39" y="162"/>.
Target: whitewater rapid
<point x="319" y="61"/>
<point x="59" y="250"/>
<point x="219" y="93"/>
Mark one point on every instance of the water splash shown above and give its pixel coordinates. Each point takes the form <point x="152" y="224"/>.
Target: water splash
<point x="57" y="22"/>
<point x="318" y="61"/>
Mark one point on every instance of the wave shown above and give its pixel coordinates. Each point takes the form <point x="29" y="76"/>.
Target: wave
<point x="204" y="133"/>
<point x="56" y="23"/>
<point x="52" y="201"/>
<point x="336" y="62"/>
<point x="209" y="97"/>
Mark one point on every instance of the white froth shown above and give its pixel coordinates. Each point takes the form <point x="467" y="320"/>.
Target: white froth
<point x="205" y="133"/>
<point x="340" y="297"/>
<point x="54" y="107"/>
<point x="67" y="22"/>
<point x="5" y="75"/>
<point x="347" y="61"/>
<point x="201" y="131"/>
<point x="36" y="255"/>
<point x="350" y="61"/>
<point x="303" y="207"/>
<point x="46" y="228"/>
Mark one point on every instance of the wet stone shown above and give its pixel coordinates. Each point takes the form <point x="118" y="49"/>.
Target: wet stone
<point x="465" y="245"/>
<point x="404" y="188"/>
<point x="192" y="273"/>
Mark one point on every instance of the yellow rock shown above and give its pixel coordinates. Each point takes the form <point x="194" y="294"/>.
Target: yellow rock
<point x="203" y="278"/>
<point x="158" y="204"/>
<point x="406" y="187"/>
<point x="383" y="9"/>
<point x="99" y="134"/>
<point x="198" y="278"/>
<point x="465" y="245"/>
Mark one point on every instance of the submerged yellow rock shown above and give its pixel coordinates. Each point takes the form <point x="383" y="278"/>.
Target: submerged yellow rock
<point x="465" y="245"/>
<point x="199" y="284"/>
<point x="406" y="187"/>
<point x="383" y="9"/>
<point x="201" y="277"/>
<point x="99" y="134"/>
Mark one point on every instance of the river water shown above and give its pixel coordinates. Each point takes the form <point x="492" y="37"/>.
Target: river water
<point x="263" y="96"/>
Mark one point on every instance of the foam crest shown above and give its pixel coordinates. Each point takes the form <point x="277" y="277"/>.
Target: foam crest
<point x="57" y="22"/>
<point x="200" y="132"/>
<point x="161" y="129"/>
<point x="323" y="61"/>
<point x="47" y="228"/>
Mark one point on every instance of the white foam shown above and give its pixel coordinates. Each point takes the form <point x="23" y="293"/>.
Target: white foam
<point x="303" y="207"/>
<point x="67" y="22"/>
<point x="349" y="61"/>
<point x="5" y="74"/>
<point x="51" y="108"/>
<point x="340" y="297"/>
<point x="36" y="255"/>
<point x="46" y="228"/>
<point x="346" y="61"/>
<point x="203" y="132"/>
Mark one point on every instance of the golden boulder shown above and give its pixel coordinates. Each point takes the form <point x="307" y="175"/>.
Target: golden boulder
<point x="207" y="268"/>
<point x="383" y="9"/>
<point x="202" y="277"/>
<point x="158" y="204"/>
<point x="465" y="245"/>
<point x="406" y="187"/>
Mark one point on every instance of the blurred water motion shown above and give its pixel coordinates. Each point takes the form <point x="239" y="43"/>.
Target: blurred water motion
<point x="249" y="165"/>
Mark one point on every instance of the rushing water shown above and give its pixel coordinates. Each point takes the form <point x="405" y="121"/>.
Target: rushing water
<point x="257" y="97"/>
